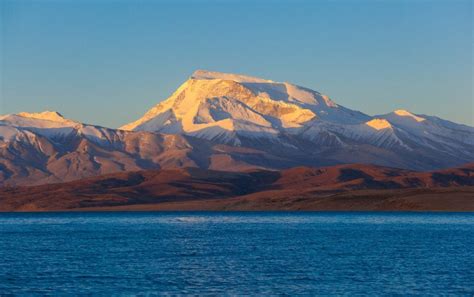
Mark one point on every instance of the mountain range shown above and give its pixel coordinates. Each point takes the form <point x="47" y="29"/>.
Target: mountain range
<point x="230" y="122"/>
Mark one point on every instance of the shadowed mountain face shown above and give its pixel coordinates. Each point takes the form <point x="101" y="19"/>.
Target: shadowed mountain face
<point x="228" y="122"/>
<point x="344" y="187"/>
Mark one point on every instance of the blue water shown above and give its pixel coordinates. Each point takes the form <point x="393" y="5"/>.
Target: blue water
<point x="237" y="253"/>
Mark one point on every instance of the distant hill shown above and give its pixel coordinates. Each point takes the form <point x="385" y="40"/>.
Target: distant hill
<point x="344" y="187"/>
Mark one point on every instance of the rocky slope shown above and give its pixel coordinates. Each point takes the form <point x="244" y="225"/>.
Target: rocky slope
<point x="343" y="187"/>
<point x="46" y="148"/>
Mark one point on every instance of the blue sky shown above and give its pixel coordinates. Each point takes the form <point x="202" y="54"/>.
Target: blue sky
<point x="107" y="62"/>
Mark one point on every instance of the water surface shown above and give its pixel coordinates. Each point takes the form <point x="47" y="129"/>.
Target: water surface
<point x="237" y="253"/>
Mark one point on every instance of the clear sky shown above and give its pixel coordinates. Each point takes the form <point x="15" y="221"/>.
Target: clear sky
<point x="107" y="62"/>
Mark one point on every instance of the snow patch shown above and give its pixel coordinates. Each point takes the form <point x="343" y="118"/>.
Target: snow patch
<point x="379" y="124"/>
<point x="406" y="113"/>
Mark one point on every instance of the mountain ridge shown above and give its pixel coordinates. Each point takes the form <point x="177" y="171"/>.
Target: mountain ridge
<point x="228" y="122"/>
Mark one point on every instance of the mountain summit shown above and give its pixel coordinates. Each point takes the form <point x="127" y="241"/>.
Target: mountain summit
<point x="222" y="106"/>
<point x="229" y="122"/>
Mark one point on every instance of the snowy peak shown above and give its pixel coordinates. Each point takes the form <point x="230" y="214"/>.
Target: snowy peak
<point x="203" y="103"/>
<point x="405" y="119"/>
<point x="52" y="125"/>
<point x="53" y="116"/>
<point x="204" y="74"/>
<point x="431" y="131"/>
<point x="45" y="119"/>
<point x="406" y="113"/>
<point x="281" y="91"/>
<point x="211" y="100"/>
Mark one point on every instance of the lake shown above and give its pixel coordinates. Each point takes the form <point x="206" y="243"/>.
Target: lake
<point x="278" y="253"/>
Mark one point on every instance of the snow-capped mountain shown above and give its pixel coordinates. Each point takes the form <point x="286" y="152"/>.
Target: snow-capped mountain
<point x="244" y="111"/>
<point x="229" y="122"/>
<point x="219" y="106"/>
<point x="45" y="147"/>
